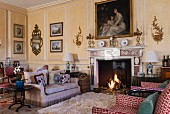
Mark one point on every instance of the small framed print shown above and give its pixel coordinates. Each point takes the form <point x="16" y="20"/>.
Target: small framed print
<point x="18" y="47"/>
<point x="18" y="30"/>
<point x="56" y="46"/>
<point x="56" y="29"/>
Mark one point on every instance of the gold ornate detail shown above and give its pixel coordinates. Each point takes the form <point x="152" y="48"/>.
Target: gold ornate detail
<point x="157" y="32"/>
<point x="90" y="38"/>
<point x="79" y="38"/>
<point x="36" y="41"/>
<point x="138" y="34"/>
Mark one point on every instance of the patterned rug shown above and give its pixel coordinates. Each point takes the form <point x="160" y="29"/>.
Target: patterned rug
<point x="81" y="104"/>
<point x="6" y="102"/>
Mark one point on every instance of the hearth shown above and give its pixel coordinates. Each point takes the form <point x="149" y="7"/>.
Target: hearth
<point x="108" y="69"/>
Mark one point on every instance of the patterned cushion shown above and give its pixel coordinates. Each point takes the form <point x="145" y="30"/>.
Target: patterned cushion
<point x="40" y="79"/>
<point x="57" y="78"/>
<point x="65" y="78"/>
<point x="149" y="102"/>
<point x="150" y="85"/>
<point x="126" y="100"/>
<point x="96" y="110"/>
<point x="51" y="75"/>
<point x="163" y="103"/>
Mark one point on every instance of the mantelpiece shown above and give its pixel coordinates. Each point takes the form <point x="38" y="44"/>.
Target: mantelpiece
<point x="133" y="53"/>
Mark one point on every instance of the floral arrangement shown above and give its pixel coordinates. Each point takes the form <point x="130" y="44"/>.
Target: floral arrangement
<point x="17" y="71"/>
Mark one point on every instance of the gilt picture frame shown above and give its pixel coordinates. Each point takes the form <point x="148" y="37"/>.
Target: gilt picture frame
<point x="18" y="31"/>
<point x="56" y="46"/>
<point x="113" y="18"/>
<point x="56" y="29"/>
<point x="18" y="47"/>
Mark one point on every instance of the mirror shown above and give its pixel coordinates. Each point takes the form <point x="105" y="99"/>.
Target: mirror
<point x="36" y="41"/>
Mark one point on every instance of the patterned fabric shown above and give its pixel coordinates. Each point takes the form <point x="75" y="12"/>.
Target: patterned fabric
<point x="150" y="85"/>
<point x="40" y="79"/>
<point x="163" y="103"/>
<point x="145" y="88"/>
<point x="130" y="101"/>
<point x="96" y="110"/>
<point x="65" y="78"/>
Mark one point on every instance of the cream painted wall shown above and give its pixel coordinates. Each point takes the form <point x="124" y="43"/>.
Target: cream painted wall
<point x="11" y="15"/>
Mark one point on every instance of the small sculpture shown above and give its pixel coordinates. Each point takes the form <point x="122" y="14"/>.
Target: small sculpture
<point x="90" y="38"/>
<point x="138" y="34"/>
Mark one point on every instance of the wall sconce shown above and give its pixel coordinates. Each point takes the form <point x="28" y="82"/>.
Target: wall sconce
<point x="36" y="41"/>
<point x="90" y="38"/>
<point x="157" y="32"/>
<point x="138" y="34"/>
<point x="79" y="38"/>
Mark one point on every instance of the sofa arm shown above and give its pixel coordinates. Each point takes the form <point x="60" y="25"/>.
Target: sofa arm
<point x="126" y="100"/>
<point x="96" y="110"/>
<point x="38" y="87"/>
<point x="74" y="80"/>
<point x="150" y="84"/>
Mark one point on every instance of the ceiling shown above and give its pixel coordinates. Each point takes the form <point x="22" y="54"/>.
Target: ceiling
<point x="29" y="3"/>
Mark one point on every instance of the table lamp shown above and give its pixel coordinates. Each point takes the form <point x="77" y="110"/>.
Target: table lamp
<point x="68" y="57"/>
<point x="149" y="57"/>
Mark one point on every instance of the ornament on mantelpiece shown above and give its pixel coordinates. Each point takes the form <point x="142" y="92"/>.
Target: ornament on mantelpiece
<point x="138" y="34"/>
<point x="90" y="40"/>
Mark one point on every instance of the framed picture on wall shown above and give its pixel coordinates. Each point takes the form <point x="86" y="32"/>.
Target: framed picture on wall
<point x="113" y="18"/>
<point x="18" y="30"/>
<point x="56" y="46"/>
<point x="18" y="47"/>
<point x="56" y="29"/>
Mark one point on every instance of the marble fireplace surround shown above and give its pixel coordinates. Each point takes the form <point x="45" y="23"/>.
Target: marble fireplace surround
<point x="133" y="53"/>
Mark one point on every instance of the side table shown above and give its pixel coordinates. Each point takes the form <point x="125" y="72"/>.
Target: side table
<point x="22" y="97"/>
<point x="84" y="81"/>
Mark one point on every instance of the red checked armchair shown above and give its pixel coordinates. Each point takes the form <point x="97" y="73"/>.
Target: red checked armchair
<point x="126" y="104"/>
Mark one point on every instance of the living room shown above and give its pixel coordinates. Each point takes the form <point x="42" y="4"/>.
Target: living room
<point x="78" y="21"/>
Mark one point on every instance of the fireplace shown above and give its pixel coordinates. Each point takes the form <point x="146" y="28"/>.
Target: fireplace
<point x="107" y="69"/>
<point x="107" y="60"/>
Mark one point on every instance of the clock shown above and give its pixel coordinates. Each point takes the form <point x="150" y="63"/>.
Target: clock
<point x="101" y="43"/>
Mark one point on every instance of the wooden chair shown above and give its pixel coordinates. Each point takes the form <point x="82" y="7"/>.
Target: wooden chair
<point x="5" y="81"/>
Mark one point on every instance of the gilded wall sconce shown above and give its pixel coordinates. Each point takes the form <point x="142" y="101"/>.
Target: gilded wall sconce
<point x="138" y="34"/>
<point x="79" y="38"/>
<point x="90" y="40"/>
<point x="36" y="41"/>
<point x="157" y="32"/>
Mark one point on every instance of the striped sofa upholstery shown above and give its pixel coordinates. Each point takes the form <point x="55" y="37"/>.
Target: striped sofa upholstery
<point x="129" y="104"/>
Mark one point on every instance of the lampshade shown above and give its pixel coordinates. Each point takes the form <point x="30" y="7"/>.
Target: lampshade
<point x="68" y="57"/>
<point x="149" y="56"/>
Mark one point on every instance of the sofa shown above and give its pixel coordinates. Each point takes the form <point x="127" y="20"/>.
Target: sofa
<point x="49" y="92"/>
<point x="125" y="104"/>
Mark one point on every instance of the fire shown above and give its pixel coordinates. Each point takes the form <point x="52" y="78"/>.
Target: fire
<point x="112" y="83"/>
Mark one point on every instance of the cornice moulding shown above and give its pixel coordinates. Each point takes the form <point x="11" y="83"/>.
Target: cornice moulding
<point x="47" y="5"/>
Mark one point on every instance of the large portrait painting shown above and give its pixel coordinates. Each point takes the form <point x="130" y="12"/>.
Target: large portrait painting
<point x="113" y="18"/>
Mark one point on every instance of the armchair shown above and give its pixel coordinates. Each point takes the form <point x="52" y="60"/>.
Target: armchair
<point x="137" y="105"/>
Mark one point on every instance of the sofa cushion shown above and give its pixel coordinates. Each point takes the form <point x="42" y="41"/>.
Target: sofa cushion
<point x="65" y="78"/>
<point x="40" y="79"/>
<point x="163" y="103"/>
<point x="164" y="84"/>
<point x="53" y="88"/>
<point x="124" y="109"/>
<point x="149" y="102"/>
<point x="29" y="76"/>
<point x="52" y="74"/>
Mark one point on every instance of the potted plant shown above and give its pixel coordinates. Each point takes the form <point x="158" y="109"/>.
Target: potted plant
<point x="19" y="81"/>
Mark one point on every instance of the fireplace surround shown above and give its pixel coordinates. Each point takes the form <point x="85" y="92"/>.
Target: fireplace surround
<point x="131" y="53"/>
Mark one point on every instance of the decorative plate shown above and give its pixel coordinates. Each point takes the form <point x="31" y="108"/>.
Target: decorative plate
<point x="124" y="42"/>
<point x="101" y="43"/>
